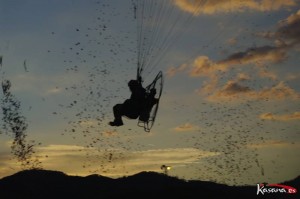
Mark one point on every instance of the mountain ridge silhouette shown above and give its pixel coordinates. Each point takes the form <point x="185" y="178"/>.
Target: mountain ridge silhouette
<point x="55" y="184"/>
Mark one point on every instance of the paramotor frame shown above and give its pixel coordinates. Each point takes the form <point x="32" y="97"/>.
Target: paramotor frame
<point x="153" y="95"/>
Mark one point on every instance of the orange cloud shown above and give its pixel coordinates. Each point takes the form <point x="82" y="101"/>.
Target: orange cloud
<point x="289" y="30"/>
<point x="267" y="74"/>
<point x="203" y="66"/>
<point x="233" y="90"/>
<point x="174" y="70"/>
<point x="198" y="7"/>
<point x="293" y="76"/>
<point x="279" y="92"/>
<point x="256" y="56"/>
<point x="274" y="144"/>
<point x="243" y="77"/>
<point x="294" y="18"/>
<point x="185" y="127"/>
<point x="210" y="85"/>
<point x="287" y="33"/>
<point x="284" y="117"/>
<point x="230" y="91"/>
<point x="109" y="133"/>
<point x="231" y="41"/>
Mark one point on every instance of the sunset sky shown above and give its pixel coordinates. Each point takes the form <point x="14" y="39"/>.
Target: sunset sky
<point x="230" y="108"/>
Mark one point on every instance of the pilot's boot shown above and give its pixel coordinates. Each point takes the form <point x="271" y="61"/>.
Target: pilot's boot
<point x="116" y="123"/>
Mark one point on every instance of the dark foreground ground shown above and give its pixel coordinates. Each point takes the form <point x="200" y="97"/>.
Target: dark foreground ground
<point x="43" y="184"/>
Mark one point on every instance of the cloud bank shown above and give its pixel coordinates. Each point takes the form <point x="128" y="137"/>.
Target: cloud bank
<point x="274" y="144"/>
<point x="198" y="7"/>
<point x="286" y="39"/>
<point x="114" y="162"/>
<point x="283" y="117"/>
<point x="185" y="127"/>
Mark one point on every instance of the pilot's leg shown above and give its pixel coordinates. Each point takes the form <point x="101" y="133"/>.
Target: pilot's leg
<point x="118" y="112"/>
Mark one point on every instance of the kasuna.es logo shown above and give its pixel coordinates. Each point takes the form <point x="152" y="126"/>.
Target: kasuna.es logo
<point x="275" y="188"/>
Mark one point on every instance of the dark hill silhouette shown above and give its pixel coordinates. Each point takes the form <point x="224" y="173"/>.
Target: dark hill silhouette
<point x="41" y="184"/>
